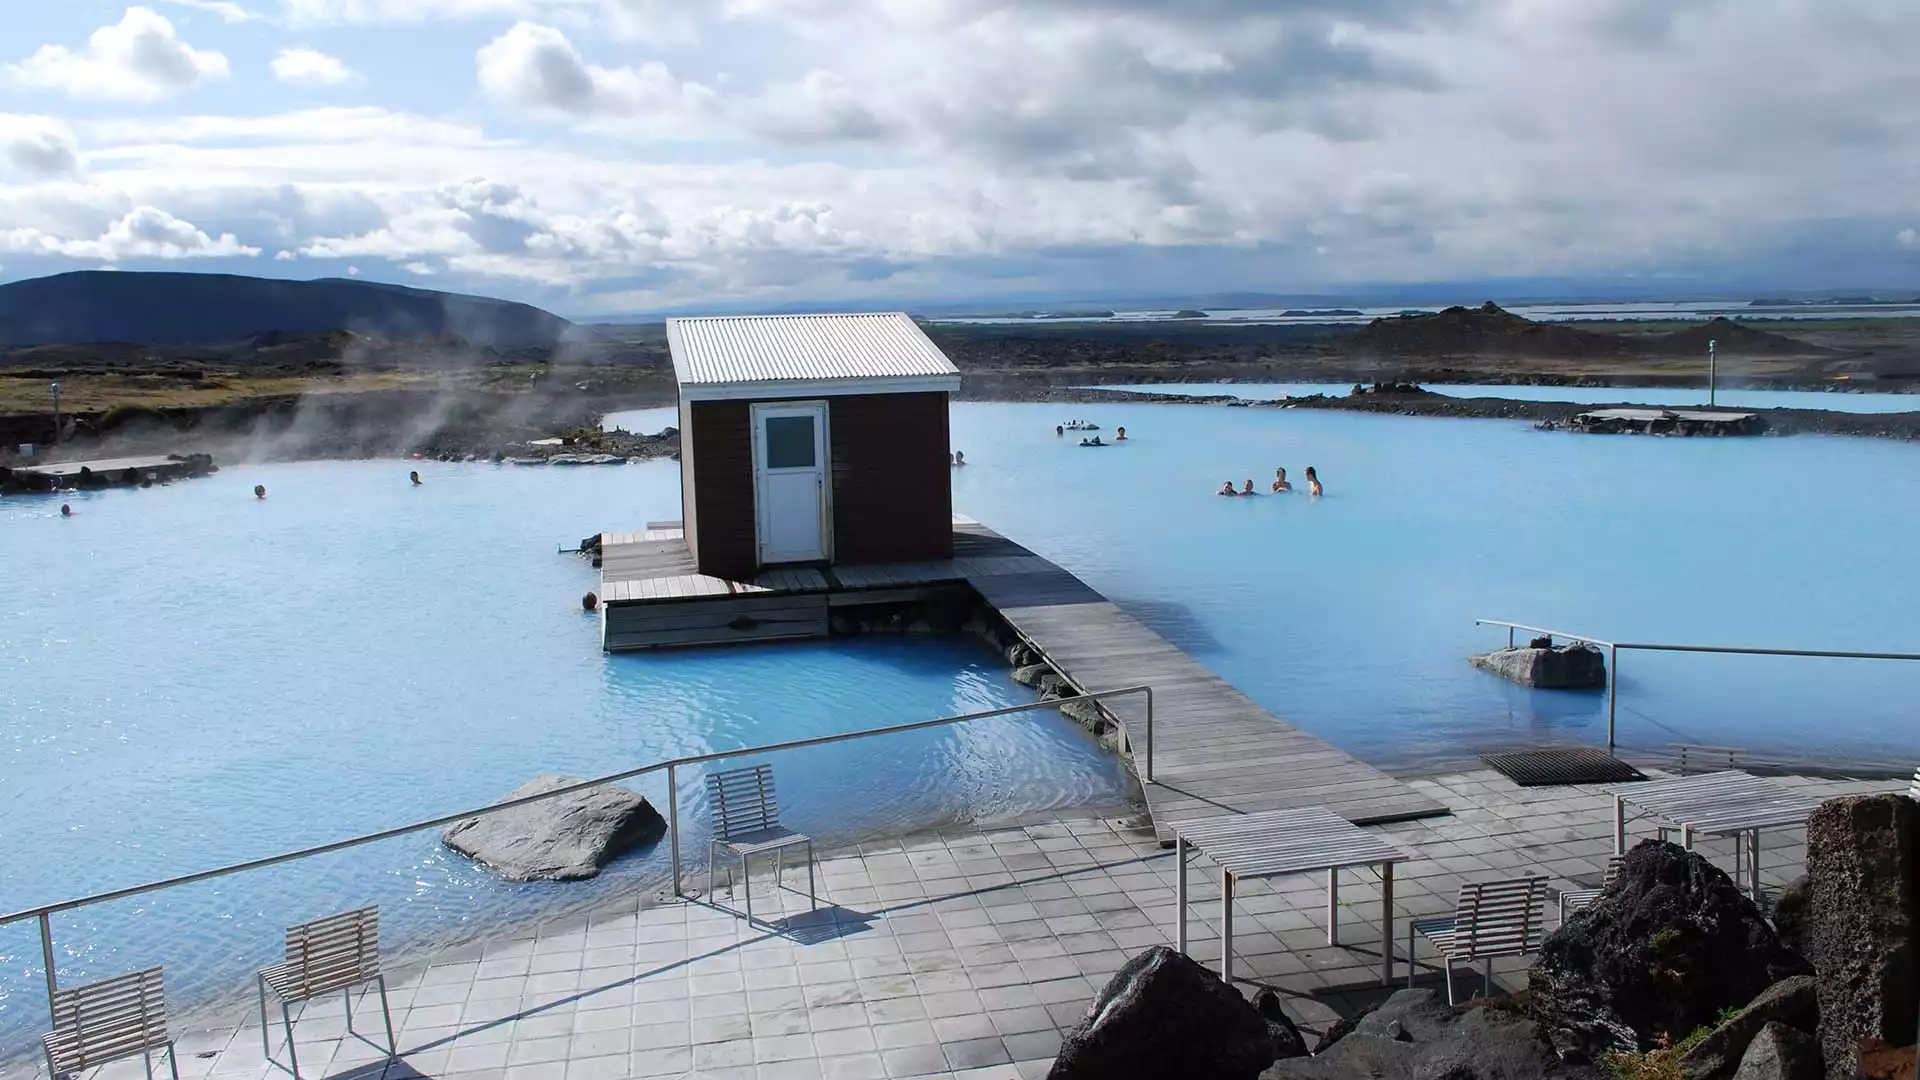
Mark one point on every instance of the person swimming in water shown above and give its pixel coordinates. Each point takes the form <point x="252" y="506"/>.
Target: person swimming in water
<point x="1227" y="489"/>
<point x="259" y="491"/>
<point x="959" y="458"/>
<point x="1120" y="435"/>
<point x="1248" y="490"/>
<point x="1313" y="483"/>
<point x="1059" y="429"/>
<point x="415" y="477"/>
<point x="66" y="509"/>
<point x="1280" y="485"/>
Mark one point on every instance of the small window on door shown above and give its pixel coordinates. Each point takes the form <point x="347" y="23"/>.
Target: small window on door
<point x="789" y="442"/>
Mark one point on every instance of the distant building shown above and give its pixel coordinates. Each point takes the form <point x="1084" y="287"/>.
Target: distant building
<point x="812" y="439"/>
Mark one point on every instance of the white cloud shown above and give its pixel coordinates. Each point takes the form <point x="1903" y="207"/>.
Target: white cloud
<point x="1909" y="238"/>
<point x="145" y="232"/>
<point x="308" y="67"/>
<point x="38" y="147"/>
<point x="534" y="66"/>
<point x="138" y="58"/>
<point x="227" y="10"/>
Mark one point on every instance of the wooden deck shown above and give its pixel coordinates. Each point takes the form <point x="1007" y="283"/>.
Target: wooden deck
<point x="1215" y="750"/>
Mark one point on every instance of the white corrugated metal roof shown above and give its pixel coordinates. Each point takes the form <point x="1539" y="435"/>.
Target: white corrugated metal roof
<point x="712" y="351"/>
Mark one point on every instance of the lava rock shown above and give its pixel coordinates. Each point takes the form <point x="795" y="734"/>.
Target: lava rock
<point x="1780" y="1052"/>
<point x="565" y="838"/>
<point x="1415" y="1035"/>
<point x="1568" y="667"/>
<point x="1287" y="1040"/>
<point x="1162" y="1015"/>
<point x="1790" y="915"/>
<point x="1794" y="1002"/>
<point x="1662" y="952"/>
<point x="1029" y="675"/>
<point x="1860" y="923"/>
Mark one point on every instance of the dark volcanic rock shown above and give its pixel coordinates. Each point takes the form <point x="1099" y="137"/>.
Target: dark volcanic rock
<point x="1568" y="667"/>
<point x="1780" y="1052"/>
<point x="1165" y="1016"/>
<point x="1662" y="952"/>
<point x="1860" y="923"/>
<point x="1793" y="1002"/>
<point x="1287" y="1040"/>
<point x="1790" y="915"/>
<point x="564" y="838"/>
<point x="1415" y="1035"/>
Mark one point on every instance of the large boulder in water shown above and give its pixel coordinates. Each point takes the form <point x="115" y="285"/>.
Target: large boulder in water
<point x="1416" y="1035"/>
<point x="1565" y="667"/>
<point x="1663" y="951"/>
<point x="565" y="838"/>
<point x="1160" y="1016"/>
<point x="1860" y="924"/>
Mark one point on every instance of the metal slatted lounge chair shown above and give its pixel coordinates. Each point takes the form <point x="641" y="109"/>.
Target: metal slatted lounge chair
<point x="338" y="952"/>
<point x="1491" y="919"/>
<point x="1572" y="900"/>
<point x="746" y="822"/>
<point x="107" y="1021"/>
<point x="1914" y="791"/>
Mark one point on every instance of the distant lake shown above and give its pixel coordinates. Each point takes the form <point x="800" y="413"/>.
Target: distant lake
<point x="1579" y="395"/>
<point x="1573" y="312"/>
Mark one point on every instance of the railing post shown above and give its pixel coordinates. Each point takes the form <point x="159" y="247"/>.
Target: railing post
<point x="673" y="823"/>
<point x="1613" y="690"/>
<point x="46" y="952"/>
<point x="1149" y="734"/>
<point x="1509" y="637"/>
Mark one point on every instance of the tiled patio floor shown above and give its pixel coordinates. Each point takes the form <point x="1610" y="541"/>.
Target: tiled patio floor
<point x="960" y="954"/>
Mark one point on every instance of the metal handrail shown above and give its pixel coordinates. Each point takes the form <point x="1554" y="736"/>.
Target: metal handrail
<point x="1613" y="656"/>
<point x="45" y="912"/>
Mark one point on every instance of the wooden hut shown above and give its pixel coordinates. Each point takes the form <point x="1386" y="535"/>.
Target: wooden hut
<point x="812" y="439"/>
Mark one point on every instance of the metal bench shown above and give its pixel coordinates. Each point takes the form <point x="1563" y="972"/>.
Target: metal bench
<point x="338" y="952"/>
<point x="107" y="1021"/>
<point x="746" y="822"/>
<point x="1491" y="919"/>
<point x="1572" y="900"/>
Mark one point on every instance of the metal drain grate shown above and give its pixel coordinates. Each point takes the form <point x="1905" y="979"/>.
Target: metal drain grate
<point x="1569" y="765"/>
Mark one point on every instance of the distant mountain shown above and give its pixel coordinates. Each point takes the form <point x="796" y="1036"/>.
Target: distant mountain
<point x="1490" y="330"/>
<point x="189" y="309"/>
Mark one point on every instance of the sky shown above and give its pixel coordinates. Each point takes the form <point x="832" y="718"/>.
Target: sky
<point x="603" y="156"/>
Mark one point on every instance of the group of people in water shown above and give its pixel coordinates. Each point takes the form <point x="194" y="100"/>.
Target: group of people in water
<point x="1119" y="434"/>
<point x="1280" y="484"/>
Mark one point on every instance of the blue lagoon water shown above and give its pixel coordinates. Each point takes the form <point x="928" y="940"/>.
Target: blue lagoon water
<point x="1670" y="396"/>
<point x="190" y="677"/>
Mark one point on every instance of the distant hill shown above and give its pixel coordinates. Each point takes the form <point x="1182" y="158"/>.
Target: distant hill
<point x="186" y="309"/>
<point x="1490" y="330"/>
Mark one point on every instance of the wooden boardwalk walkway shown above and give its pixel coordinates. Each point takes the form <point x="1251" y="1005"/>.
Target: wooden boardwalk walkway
<point x="1214" y="749"/>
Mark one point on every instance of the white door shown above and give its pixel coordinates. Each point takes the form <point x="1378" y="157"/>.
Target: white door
<point x="790" y="481"/>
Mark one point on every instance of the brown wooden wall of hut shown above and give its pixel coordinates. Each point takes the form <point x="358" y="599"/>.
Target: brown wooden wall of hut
<point x="720" y="436"/>
<point x="892" y="481"/>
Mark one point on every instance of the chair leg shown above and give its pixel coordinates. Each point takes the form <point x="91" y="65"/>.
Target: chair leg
<point x="393" y="1047"/>
<point x="711" y="847"/>
<point x="146" y="1055"/>
<point x="346" y="999"/>
<point x="1449" y="963"/>
<point x="293" y="1055"/>
<point x="1486" y="977"/>
<point x="266" y="1049"/>
<point x="173" y="1059"/>
<point x="779" y="870"/>
<point x="746" y="885"/>
<point x="813" y="898"/>
<point x="1410" y="964"/>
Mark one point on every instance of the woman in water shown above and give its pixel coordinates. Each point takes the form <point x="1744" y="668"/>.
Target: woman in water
<point x="1248" y="490"/>
<point x="1313" y="483"/>
<point x="1280" y="485"/>
<point x="1226" y="489"/>
<point x="1120" y="435"/>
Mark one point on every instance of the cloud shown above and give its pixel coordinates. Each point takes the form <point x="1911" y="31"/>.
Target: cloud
<point x="38" y="147"/>
<point x="145" y="232"/>
<point x="535" y="66"/>
<point x="307" y="67"/>
<point x="1909" y="238"/>
<point x="136" y="59"/>
<point x="227" y="10"/>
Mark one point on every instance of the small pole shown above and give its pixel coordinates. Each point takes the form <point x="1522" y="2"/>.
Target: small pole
<point x="673" y="825"/>
<point x="46" y="952"/>
<point x="1149" y="734"/>
<point x="1613" y="690"/>
<point x="1711" y="380"/>
<point x="56" y="413"/>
